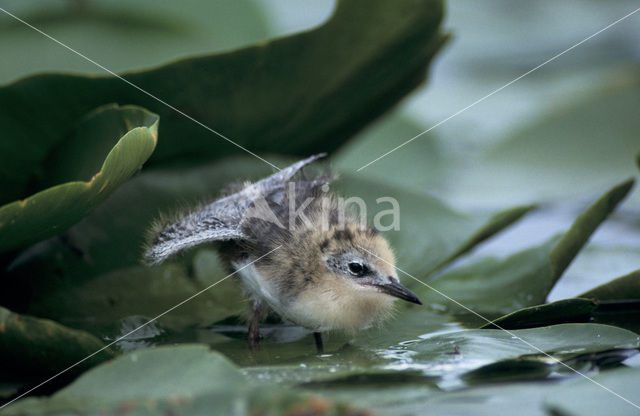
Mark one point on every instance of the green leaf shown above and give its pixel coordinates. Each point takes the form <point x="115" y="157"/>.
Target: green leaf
<point x="102" y="303"/>
<point x="607" y="393"/>
<point x="449" y="360"/>
<point x="107" y="247"/>
<point x="203" y="27"/>
<point x="430" y="234"/>
<point x="582" y="228"/>
<point x="367" y="378"/>
<point x="625" y="287"/>
<point x="33" y="346"/>
<point x="570" y="150"/>
<point x="496" y="223"/>
<point x="515" y="369"/>
<point x="562" y="311"/>
<point x="53" y="210"/>
<point x="421" y="169"/>
<point x="186" y="380"/>
<point x="459" y="352"/>
<point x="304" y="93"/>
<point x="614" y="303"/>
<point x="493" y="287"/>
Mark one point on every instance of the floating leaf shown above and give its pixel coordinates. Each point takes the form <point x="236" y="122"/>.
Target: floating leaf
<point x="540" y="366"/>
<point x="562" y="311"/>
<point x="622" y="313"/>
<point x="614" y="303"/>
<point x="625" y="287"/>
<point x="203" y="27"/>
<point x="51" y="211"/>
<point x="420" y="170"/>
<point x="32" y="346"/>
<point x="450" y="360"/>
<point x="457" y="353"/>
<point x="516" y="369"/>
<point x="613" y="392"/>
<point x="102" y="303"/>
<point x="430" y="233"/>
<point x="368" y="378"/>
<point x="568" y="151"/>
<point x="494" y="287"/>
<point x="582" y="228"/>
<point x="304" y="93"/>
<point x="186" y="380"/>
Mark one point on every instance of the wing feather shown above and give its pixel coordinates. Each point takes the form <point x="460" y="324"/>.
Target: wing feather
<point x="221" y="220"/>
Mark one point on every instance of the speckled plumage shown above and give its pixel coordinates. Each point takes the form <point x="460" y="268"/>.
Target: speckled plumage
<point x="223" y="219"/>
<point x="311" y="246"/>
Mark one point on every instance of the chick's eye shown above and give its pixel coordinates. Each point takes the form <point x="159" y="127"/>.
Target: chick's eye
<point x="356" y="269"/>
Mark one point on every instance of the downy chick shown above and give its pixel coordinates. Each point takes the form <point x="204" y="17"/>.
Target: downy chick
<point x="298" y="251"/>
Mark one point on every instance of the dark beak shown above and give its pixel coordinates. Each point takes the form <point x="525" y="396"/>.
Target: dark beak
<point x="395" y="289"/>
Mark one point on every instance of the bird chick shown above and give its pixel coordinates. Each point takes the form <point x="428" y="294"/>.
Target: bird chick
<point x="299" y="252"/>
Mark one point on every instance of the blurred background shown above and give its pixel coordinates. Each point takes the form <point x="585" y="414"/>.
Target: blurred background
<point x="556" y="138"/>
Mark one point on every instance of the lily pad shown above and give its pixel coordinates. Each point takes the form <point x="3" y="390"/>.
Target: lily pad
<point x="102" y="304"/>
<point x="452" y="360"/>
<point x="614" y="303"/>
<point x="493" y="287"/>
<point x="430" y="234"/>
<point x="53" y="210"/>
<point x="454" y="354"/>
<point x="582" y="228"/>
<point x="623" y="313"/>
<point x="33" y="346"/>
<point x="107" y="247"/>
<point x="612" y="392"/>
<point x="304" y="93"/>
<point x="187" y="380"/>
<point x="625" y="287"/>
<point x="562" y="311"/>
<point x="203" y="27"/>
<point x="566" y="152"/>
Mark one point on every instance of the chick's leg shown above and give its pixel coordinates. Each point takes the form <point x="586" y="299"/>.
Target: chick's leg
<point x="254" y="326"/>
<point x="317" y="336"/>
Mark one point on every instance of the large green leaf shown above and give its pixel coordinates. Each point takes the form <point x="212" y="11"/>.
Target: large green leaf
<point x="163" y="32"/>
<point x="493" y="287"/>
<point x="459" y="352"/>
<point x="582" y="228"/>
<point x="451" y="360"/>
<point x="422" y="169"/>
<point x="562" y="311"/>
<point x="31" y="346"/>
<point x="625" y="287"/>
<point x="304" y="93"/>
<point x="568" y="151"/>
<point x="622" y="313"/>
<point x="430" y="234"/>
<point x="614" y="303"/>
<point x="186" y="380"/>
<point x="107" y="302"/>
<point x="95" y="260"/>
<point x="130" y="130"/>
<point x="612" y="392"/>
